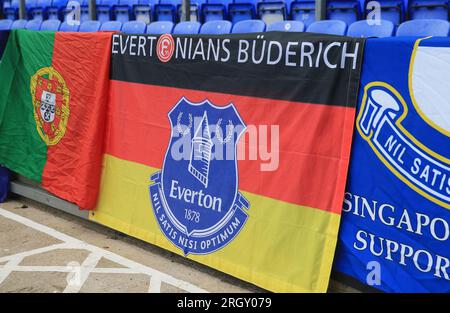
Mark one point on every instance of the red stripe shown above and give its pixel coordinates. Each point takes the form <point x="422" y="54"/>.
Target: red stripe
<point x="314" y="140"/>
<point x="74" y="165"/>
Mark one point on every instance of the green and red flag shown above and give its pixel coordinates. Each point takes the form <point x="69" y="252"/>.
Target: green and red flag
<point x="54" y="89"/>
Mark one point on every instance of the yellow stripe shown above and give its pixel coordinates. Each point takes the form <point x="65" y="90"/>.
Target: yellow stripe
<point x="283" y="247"/>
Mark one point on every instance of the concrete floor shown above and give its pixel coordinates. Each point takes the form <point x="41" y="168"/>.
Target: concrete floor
<point x="43" y="249"/>
<point x="69" y="254"/>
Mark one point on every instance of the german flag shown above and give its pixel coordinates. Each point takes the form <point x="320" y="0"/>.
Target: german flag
<point x="269" y="214"/>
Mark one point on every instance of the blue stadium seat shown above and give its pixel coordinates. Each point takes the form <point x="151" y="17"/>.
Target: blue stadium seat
<point x="166" y="10"/>
<point x="343" y="10"/>
<point x="12" y="11"/>
<point x="196" y="6"/>
<point x="429" y="9"/>
<point x="19" y="24"/>
<point x="123" y="11"/>
<point x="288" y="7"/>
<point x="160" y="27"/>
<point x="29" y="5"/>
<point x="6" y="5"/>
<point x="187" y="28"/>
<point x="241" y="10"/>
<point x="249" y="26"/>
<point x="85" y="9"/>
<point x="216" y="28"/>
<point x="303" y="11"/>
<point x="39" y="10"/>
<point x="51" y="25"/>
<point x="143" y="11"/>
<point x="391" y="10"/>
<point x="215" y="10"/>
<point x="65" y="9"/>
<point x="331" y="27"/>
<point x="286" y="26"/>
<point x="134" y="27"/>
<point x="90" y="26"/>
<point x="56" y="9"/>
<point x="104" y="10"/>
<point x="271" y="11"/>
<point x="364" y="29"/>
<point x="431" y="27"/>
<point x="65" y="27"/>
<point x="5" y="24"/>
<point x="111" y="26"/>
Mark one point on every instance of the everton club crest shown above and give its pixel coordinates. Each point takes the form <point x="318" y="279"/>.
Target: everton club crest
<point x="195" y="196"/>
<point x="50" y="97"/>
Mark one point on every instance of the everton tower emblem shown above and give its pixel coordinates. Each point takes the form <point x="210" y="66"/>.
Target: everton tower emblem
<point x="50" y="97"/>
<point x="195" y="196"/>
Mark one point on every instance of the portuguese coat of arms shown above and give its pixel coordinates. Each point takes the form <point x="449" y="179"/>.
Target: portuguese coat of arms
<point x="50" y="96"/>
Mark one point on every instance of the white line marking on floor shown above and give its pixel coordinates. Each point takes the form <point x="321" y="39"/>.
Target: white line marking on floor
<point x="88" y="266"/>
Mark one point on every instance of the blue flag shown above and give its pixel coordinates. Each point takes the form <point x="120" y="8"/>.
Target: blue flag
<point x="395" y="230"/>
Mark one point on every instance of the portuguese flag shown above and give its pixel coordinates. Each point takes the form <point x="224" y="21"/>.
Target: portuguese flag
<point x="54" y="89"/>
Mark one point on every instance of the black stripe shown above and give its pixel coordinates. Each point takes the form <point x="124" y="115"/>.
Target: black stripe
<point x="321" y="85"/>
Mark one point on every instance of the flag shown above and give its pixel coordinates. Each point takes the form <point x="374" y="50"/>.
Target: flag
<point x="395" y="230"/>
<point x="53" y="110"/>
<point x="233" y="150"/>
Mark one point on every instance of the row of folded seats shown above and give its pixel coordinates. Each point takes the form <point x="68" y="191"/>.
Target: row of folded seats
<point x="428" y="27"/>
<point x="269" y="11"/>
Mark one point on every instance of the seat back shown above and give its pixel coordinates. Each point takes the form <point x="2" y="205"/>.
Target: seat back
<point x="391" y="10"/>
<point x="430" y="27"/>
<point x="56" y="9"/>
<point x="241" y="10"/>
<point x="166" y="10"/>
<point x="331" y="27"/>
<point x="429" y="9"/>
<point x="364" y="29"/>
<point x="124" y="10"/>
<point x="5" y="24"/>
<point x="347" y="11"/>
<point x="143" y="11"/>
<point x="187" y="28"/>
<point x="160" y="27"/>
<point x="249" y="26"/>
<point x="105" y="10"/>
<point x="134" y="27"/>
<point x="303" y="11"/>
<point x="286" y="26"/>
<point x="11" y="12"/>
<point x="215" y="10"/>
<point x="85" y="10"/>
<point x="51" y="25"/>
<point x="65" y="27"/>
<point x="39" y="9"/>
<point x="19" y="24"/>
<point x="216" y="27"/>
<point x="90" y="26"/>
<point x="111" y="26"/>
<point x="195" y="11"/>
<point x="271" y="11"/>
